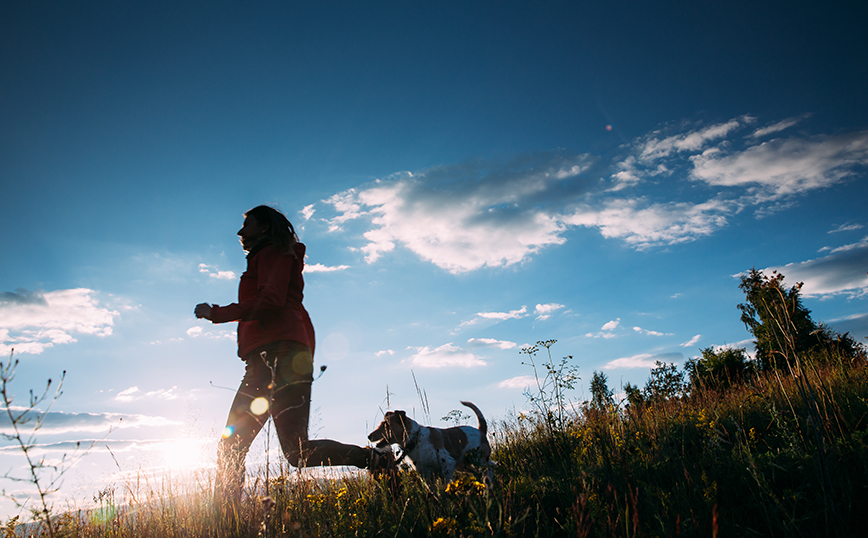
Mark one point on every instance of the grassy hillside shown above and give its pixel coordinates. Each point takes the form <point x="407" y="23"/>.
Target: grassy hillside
<point x="784" y="454"/>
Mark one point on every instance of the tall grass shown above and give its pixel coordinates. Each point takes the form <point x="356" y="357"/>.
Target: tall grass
<point x="783" y="454"/>
<point x="758" y="459"/>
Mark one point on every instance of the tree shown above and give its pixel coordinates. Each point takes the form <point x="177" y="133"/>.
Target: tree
<point x="783" y="327"/>
<point x="602" y="397"/>
<point x="634" y="395"/>
<point x="665" y="383"/>
<point x="718" y="369"/>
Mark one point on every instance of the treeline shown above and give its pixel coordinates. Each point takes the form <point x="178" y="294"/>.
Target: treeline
<point x="786" y="338"/>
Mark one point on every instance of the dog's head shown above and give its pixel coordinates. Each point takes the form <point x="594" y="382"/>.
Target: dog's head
<point x="392" y="430"/>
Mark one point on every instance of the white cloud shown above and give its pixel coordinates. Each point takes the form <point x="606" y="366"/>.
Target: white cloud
<point x="512" y="314"/>
<point x="133" y="393"/>
<point x="197" y="331"/>
<point x="612" y="325"/>
<point x="501" y="316"/>
<point x="519" y="382"/>
<point x="848" y="227"/>
<point x="308" y="211"/>
<point x="643" y="360"/>
<point x="193" y="332"/>
<point x="486" y="214"/>
<point x="127" y="395"/>
<point x="692" y="341"/>
<point x="650" y="333"/>
<point x="841" y="272"/>
<point x="647" y="225"/>
<point x="654" y="148"/>
<point x="30" y="322"/>
<point x="606" y="330"/>
<point x="163" y="394"/>
<point x="491" y="342"/>
<point x="544" y="311"/>
<point x="445" y="356"/>
<point x="735" y="345"/>
<point x="775" y="127"/>
<point x="462" y="218"/>
<point x="384" y="352"/>
<point x="320" y="268"/>
<point x="212" y="272"/>
<point x="784" y="166"/>
<point x="56" y="423"/>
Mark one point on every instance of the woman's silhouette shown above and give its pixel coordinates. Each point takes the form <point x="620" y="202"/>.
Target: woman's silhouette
<point x="276" y="341"/>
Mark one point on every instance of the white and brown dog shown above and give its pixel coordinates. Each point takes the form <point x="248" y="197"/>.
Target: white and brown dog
<point x="435" y="452"/>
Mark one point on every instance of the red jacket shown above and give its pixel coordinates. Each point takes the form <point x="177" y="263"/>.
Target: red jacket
<point x="269" y="305"/>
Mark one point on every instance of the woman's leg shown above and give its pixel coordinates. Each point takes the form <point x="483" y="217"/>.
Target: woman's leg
<point x="291" y="412"/>
<point x="242" y="426"/>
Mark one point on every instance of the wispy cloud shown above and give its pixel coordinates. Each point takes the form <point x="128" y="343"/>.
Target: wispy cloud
<point x="519" y="382"/>
<point x="464" y="217"/>
<point x="308" y="211"/>
<point x="512" y="314"/>
<point x="848" y="227"/>
<point x="743" y="344"/>
<point x="544" y="311"/>
<point x="775" y="127"/>
<point x="500" y="316"/>
<point x="692" y="341"/>
<point x="652" y="147"/>
<point x="496" y="214"/>
<point x="197" y="331"/>
<point x="644" y="360"/>
<point x="213" y="272"/>
<point x="640" y="330"/>
<point x="320" y="268"/>
<point x="56" y="423"/>
<point x="384" y="352"/>
<point x="841" y="272"/>
<point x="784" y="167"/>
<point x="606" y="331"/>
<point x="446" y="356"/>
<point x="133" y="394"/>
<point x="31" y="321"/>
<point x="491" y="342"/>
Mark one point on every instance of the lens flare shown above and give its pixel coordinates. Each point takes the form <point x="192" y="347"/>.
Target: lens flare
<point x="227" y="432"/>
<point x="259" y="406"/>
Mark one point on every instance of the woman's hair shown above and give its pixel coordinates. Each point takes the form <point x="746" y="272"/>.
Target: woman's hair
<point x="280" y="230"/>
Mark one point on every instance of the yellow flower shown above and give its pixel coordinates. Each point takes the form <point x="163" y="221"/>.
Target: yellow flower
<point x="316" y="499"/>
<point x="465" y="484"/>
<point x="445" y="525"/>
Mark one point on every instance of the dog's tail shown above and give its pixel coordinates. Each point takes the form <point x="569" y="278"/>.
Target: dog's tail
<point x="483" y="426"/>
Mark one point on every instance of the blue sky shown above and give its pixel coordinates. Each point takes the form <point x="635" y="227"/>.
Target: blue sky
<point x="469" y="177"/>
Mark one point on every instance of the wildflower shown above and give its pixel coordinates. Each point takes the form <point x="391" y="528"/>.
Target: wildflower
<point x="444" y="525"/>
<point x="315" y="498"/>
<point x="465" y="484"/>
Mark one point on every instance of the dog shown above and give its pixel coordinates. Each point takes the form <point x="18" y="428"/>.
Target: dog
<point x="435" y="452"/>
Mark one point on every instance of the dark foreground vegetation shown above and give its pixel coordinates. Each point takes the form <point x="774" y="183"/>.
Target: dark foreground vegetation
<point x="776" y="446"/>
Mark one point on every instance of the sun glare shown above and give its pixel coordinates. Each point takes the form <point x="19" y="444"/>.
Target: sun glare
<point x="184" y="454"/>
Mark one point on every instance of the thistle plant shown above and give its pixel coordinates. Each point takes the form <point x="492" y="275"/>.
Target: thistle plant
<point x="24" y="423"/>
<point x="552" y="381"/>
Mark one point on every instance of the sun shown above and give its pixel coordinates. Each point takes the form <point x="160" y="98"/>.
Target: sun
<point x="185" y="454"/>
